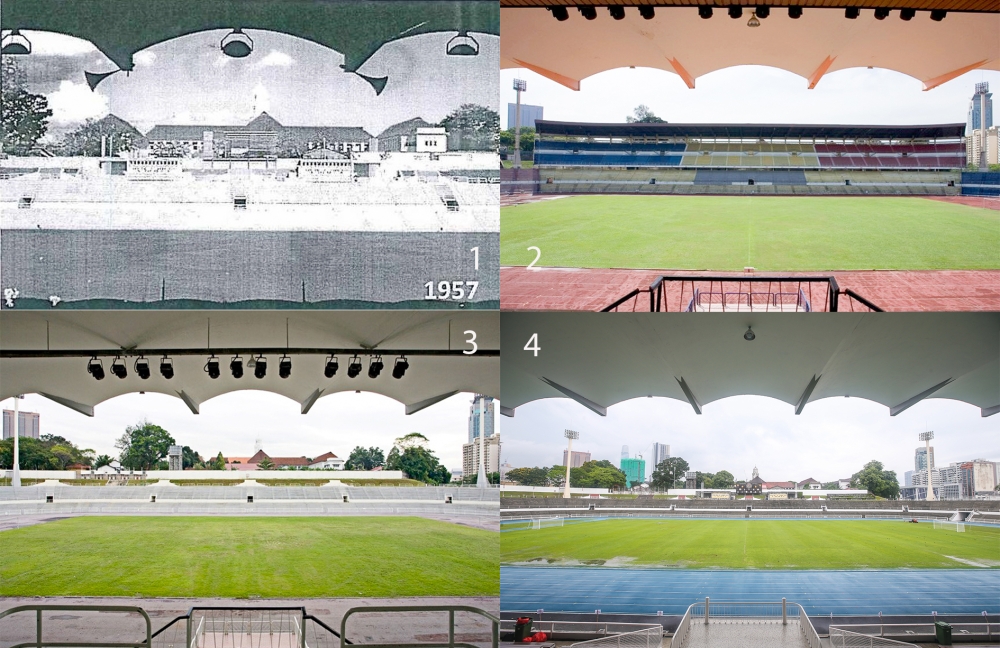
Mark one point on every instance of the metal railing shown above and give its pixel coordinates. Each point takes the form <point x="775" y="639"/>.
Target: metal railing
<point x="645" y="638"/>
<point x="840" y="638"/>
<point x="979" y="631"/>
<point x="397" y="609"/>
<point x="579" y="627"/>
<point x="744" y="612"/>
<point x="691" y="293"/>
<point x="249" y="627"/>
<point x="40" y="642"/>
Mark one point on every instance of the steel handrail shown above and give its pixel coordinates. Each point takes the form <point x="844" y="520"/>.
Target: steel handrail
<point x="38" y="609"/>
<point x="450" y="609"/>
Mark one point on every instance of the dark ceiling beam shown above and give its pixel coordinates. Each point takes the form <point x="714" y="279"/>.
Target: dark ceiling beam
<point x="249" y="350"/>
<point x="910" y="402"/>
<point x="586" y="402"/>
<point x="695" y="403"/>
<point x="804" y="398"/>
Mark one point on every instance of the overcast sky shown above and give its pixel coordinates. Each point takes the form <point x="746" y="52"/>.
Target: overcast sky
<point x="751" y="94"/>
<point x="832" y="438"/>
<point x="232" y="422"/>
<point x="189" y="80"/>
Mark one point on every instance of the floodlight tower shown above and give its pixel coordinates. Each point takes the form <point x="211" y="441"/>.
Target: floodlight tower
<point x="482" y="481"/>
<point x="520" y="86"/>
<point x="926" y="438"/>
<point x="570" y="435"/>
<point x="15" y="477"/>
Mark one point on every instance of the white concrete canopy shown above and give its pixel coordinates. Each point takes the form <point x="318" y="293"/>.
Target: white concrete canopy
<point x="677" y="40"/>
<point x="433" y="340"/>
<point x="895" y="359"/>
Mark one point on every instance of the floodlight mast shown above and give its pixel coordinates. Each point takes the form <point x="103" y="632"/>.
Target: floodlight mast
<point x="15" y="477"/>
<point x="482" y="481"/>
<point x="570" y="435"/>
<point x="520" y="86"/>
<point x="926" y="438"/>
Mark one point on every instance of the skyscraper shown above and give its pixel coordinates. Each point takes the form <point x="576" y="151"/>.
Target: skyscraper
<point x="474" y="410"/>
<point x="978" y="125"/>
<point x="661" y="451"/>
<point x="976" y="107"/>
<point x="29" y="426"/>
<point x="920" y="459"/>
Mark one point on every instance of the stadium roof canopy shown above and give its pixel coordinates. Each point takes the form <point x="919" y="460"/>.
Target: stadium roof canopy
<point x="48" y="352"/>
<point x="355" y="28"/>
<point x="820" y="41"/>
<point x="894" y="359"/>
<point x="747" y="130"/>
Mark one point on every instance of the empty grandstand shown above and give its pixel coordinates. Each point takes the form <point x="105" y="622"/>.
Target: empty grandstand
<point x="665" y="158"/>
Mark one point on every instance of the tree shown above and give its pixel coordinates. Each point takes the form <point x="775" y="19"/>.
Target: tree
<point x="265" y="464"/>
<point x="412" y="440"/>
<point x="117" y="133"/>
<point x="723" y="479"/>
<point x="50" y="452"/>
<point x="668" y="473"/>
<point x="101" y="460"/>
<point x="365" y="459"/>
<point x="831" y="486"/>
<point x="643" y="115"/>
<point x="527" y="140"/>
<point x="421" y="464"/>
<point x="219" y="463"/>
<point x="597" y="474"/>
<point x="472" y="128"/>
<point x="491" y="478"/>
<point x="876" y="480"/>
<point x="528" y="476"/>
<point x="143" y="445"/>
<point x="23" y="116"/>
<point x="557" y="476"/>
<point x="191" y="459"/>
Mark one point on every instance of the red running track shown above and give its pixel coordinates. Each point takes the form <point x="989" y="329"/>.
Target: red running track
<point x="891" y="290"/>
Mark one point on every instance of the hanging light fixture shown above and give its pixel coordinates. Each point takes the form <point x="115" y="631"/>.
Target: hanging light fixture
<point x="118" y="367"/>
<point x="236" y="366"/>
<point x="399" y="369"/>
<point x="236" y="44"/>
<point x="141" y="368"/>
<point x="354" y="367"/>
<point x="375" y="366"/>
<point x="96" y="368"/>
<point x="15" y="44"/>
<point x="330" y="369"/>
<point x="167" y="368"/>
<point x="462" y="45"/>
<point x="753" y="22"/>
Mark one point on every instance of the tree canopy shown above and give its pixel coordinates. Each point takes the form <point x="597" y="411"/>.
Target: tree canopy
<point x="876" y="480"/>
<point x="86" y="140"/>
<point x="24" y="116"/>
<point x="669" y="473"/>
<point x="527" y="139"/>
<point x="419" y="463"/>
<point x="643" y="115"/>
<point x="50" y="452"/>
<point x="472" y="127"/>
<point x="365" y="458"/>
<point x="143" y="445"/>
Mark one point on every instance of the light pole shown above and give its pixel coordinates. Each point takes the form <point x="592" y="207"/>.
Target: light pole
<point x="926" y="438"/>
<point x="570" y="435"/>
<point x="15" y="478"/>
<point x="520" y="86"/>
<point x="481" y="480"/>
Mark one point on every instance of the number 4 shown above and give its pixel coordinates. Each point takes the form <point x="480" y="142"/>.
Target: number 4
<point x="532" y="344"/>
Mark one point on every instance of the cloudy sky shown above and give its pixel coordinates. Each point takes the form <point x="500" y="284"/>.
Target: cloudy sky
<point x="232" y="422"/>
<point x="188" y="80"/>
<point x="751" y="94"/>
<point x="831" y="439"/>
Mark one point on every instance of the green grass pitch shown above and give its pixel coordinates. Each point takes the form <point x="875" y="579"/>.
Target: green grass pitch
<point x="769" y="233"/>
<point x="243" y="557"/>
<point x="754" y="544"/>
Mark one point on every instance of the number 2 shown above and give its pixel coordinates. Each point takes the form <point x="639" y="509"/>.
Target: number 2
<point x="538" y="255"/>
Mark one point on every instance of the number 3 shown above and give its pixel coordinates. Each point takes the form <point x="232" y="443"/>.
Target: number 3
<point x="472" y="341"/>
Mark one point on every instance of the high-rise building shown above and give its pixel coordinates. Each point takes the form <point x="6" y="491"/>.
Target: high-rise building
<point x="29" y="424"/>
<point x="529" y="115"/>
<point x="474" y="419"/>
<point x="908" y="478"/>
<point x="982" y="95"/>
<point x="635" y="471"/>
<point x="920" y="459"/>
<point x="579" y="458"/>
<point x="978" y="125"/>
<point x="661" y="451"/>
<point x="470" y="456"/>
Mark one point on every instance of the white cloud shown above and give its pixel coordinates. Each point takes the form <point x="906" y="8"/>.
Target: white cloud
<point x="75" y="102"/>
<point x="144" y="58"/>
<point x="275" y="58"/>
<point x="261" y="99"/>
<point x="52" y="44"/>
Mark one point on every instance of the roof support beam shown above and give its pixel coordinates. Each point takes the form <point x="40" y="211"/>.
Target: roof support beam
<point x="507" y="411"/>
<point x="192" y="405"/>
<point x="820" y="71"/>
<point x="930" y="84"/>
<point x="804" y="398"/>
<point x="682" y="73"/>
<point x="132" y="352"/>
<point x="689" y="394"/>
<point x="990" y="411"/>
<point x="413" y="408"/>
<point x="586" y="402"/>
<point x="910" y="402"/>
<point x="311" y="400"/>
<point x="86" y="410"/>
<point x="572" y="84"/>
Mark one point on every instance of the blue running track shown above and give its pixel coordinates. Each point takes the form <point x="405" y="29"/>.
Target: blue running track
<point x="646" y="591"/>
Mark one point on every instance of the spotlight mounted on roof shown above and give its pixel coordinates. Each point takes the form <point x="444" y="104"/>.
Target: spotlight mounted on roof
<point x="907" y="14"/>
<point x="749" y="335"/>
<point x="795" y="13"/>
<point x="762" y="12"/>
<point x="559" y="13"/>
<point x="399" y="369"/>
<point x="462" y="45"/>
<point x="375" y="366"/>
<point x="331" y="366"/>
<point x="354" y="367"/>
<point x="617" y="12"/>
<point x="590" y="13"/>
<point x="753" y="22"/>
<point x="647" y="12"/>
<point x="212" y="367"/>
<point x="236" y="44"/>
<point x="118" y="368"/>
<point x="705" y="11"/>
<point x="852" y="13"/>
<point x="881" y="13"/>
<point x="141" y="368"/>
<point x="236" y="366"/>
<point x="735" y="12"/>
<point x="15" y="43"/>
<point x="260" y="367"/>
<point x="937" y="15"/>
<point x="96" y="368"/>
<point x="167" y="368"/>
<point x="284" y="367"/>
